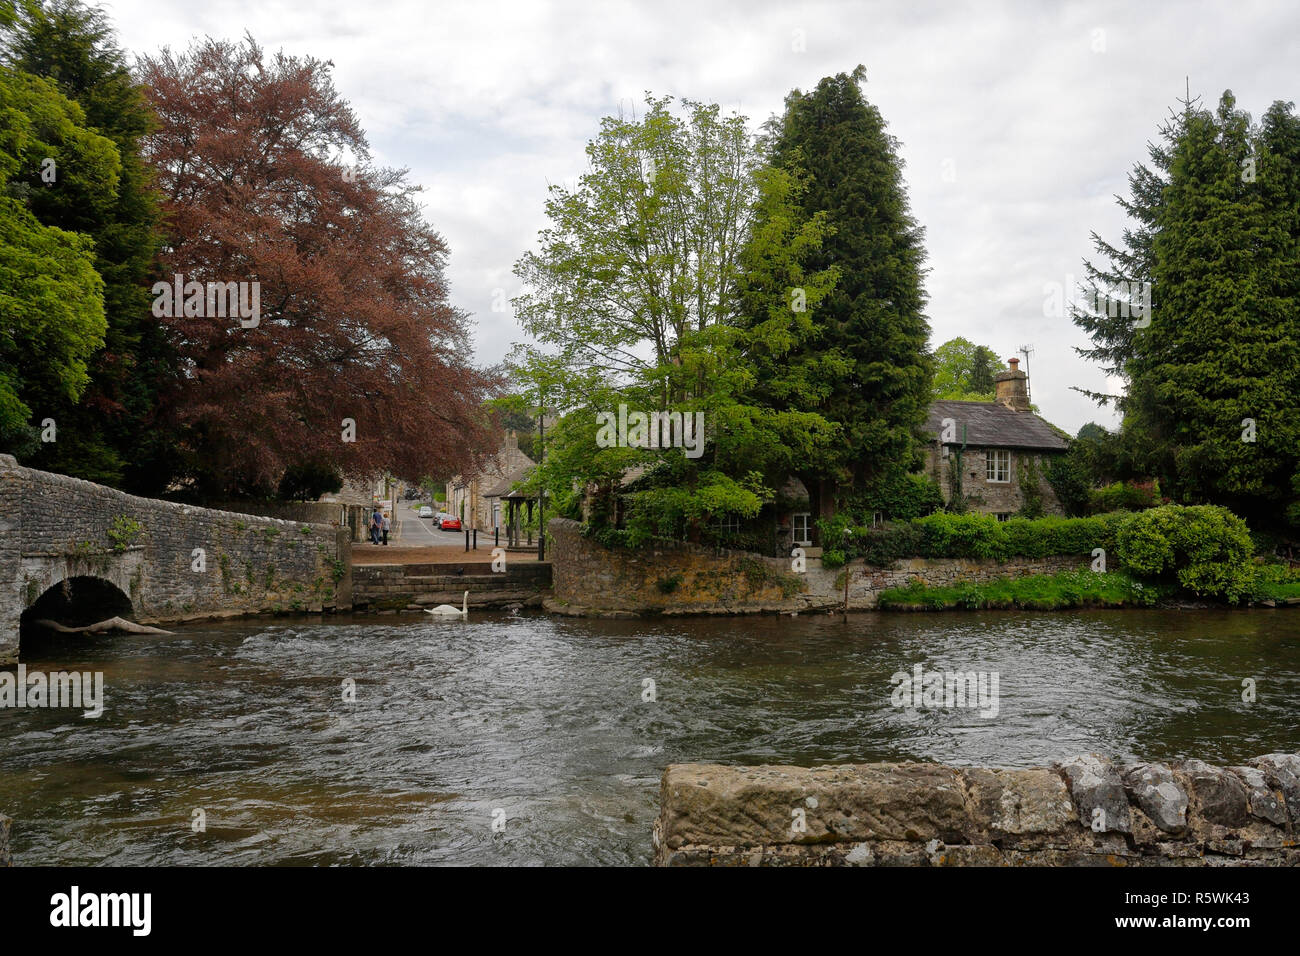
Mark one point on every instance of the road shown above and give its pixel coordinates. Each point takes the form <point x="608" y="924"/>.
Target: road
<point x="414" y="531"/>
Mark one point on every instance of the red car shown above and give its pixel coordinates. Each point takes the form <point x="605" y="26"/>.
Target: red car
<point x="449" y="524"/>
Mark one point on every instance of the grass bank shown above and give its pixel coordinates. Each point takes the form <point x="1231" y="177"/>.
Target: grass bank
<point x="1039" y="592"/>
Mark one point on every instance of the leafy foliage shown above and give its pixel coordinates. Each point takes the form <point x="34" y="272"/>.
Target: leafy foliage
<point x="964" y="371"/>
<point x="355" y="321"/>
<point x="51" y="296"/>
<point x="1207" y="549"/>
<point x="112" y="432"/>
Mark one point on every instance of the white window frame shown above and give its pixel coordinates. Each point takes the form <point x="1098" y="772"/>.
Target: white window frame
<point x="729" y="524"/>
<point x="1003" y="515"/>
<point x="993" y="459"/>
<point x="795" y="519"/>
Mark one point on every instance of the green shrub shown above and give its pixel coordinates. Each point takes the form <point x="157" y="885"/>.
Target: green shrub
<point x="669" y="584"/>
<point x="899" y="498"/>
<point x="833" y="558"/>
<point x="1124" y="496"/>
<point x="1205" y="548"/>
<point x="124" y="531"/>
<point x="961" y="536"/>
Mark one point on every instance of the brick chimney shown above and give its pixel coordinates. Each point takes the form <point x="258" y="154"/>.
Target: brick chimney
<point x="1011" y="388"/>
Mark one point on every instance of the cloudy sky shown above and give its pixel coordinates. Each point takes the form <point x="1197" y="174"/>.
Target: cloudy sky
<point x="1019" y="121"/>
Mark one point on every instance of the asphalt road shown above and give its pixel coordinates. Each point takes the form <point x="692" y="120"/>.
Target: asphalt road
<point x="414" y="531"/>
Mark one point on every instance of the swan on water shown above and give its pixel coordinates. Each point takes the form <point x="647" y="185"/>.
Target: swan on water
<point x="447" y="610"/>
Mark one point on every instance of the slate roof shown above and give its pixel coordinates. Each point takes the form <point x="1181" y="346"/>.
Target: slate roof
<point x="994" y="425"/>
<point x="502" y="488"/>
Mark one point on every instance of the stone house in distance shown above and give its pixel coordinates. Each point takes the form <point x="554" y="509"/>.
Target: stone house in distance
<point x="477" y="499"/>
<point x="992" y="453"/>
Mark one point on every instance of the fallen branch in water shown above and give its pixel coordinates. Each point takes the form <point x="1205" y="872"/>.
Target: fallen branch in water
<point x="112" y="625"/>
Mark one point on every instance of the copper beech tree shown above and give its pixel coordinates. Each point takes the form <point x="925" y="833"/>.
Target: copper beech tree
<point x="354" y="359"/>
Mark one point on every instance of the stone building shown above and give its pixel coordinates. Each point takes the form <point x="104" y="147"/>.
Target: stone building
<point x="477" y="499"/>
<point x="994" y="453"/>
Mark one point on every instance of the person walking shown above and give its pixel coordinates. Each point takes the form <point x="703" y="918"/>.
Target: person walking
<point x="385" y="526"/>
<point x="375" y="523"/>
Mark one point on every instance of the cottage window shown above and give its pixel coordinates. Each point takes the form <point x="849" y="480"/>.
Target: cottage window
<point x="729" y="524"/>
<point x="802" y="524"/>
<point x="997" y="465"/>
<point x="1003" y="516"/>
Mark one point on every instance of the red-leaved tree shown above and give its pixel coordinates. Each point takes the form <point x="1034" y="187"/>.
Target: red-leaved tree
<point x="353" y="322"/>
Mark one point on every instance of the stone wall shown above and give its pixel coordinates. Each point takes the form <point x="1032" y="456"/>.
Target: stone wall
<point x="6" y="830"/>
<point x="353" y="516"/>
<point x="677" y="578"/>
<point x="1086" y="811"/>
<point x="413" y="587"/>
<point x="54" y="528"/>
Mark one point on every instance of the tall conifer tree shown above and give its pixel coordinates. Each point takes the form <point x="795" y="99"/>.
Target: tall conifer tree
<point x="873" y="321"/>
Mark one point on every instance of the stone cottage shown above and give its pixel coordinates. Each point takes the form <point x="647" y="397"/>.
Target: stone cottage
<point x="477" y="499"/>
<point x="994" y="453"/>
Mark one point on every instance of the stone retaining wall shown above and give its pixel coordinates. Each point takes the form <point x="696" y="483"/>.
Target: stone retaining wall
<point x="412" y="587"/>
<point x="678" y="578"/>
<point x="1086" y="811"/>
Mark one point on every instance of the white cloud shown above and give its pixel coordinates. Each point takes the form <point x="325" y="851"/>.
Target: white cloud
<point x="486" y="102"/>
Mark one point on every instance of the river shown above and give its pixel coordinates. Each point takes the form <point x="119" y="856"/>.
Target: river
<point x="540" y="723"/>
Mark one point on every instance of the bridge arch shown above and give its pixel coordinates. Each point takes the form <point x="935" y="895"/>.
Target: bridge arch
<point x="75" y="602"/>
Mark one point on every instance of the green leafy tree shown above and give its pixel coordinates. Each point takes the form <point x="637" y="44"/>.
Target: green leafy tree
<point x="114" y="432"/>
<point x="873" y="320"/>
<point x="666" y="283"/>
<point x="51" y="296"/>
<point x="964" y="371"/>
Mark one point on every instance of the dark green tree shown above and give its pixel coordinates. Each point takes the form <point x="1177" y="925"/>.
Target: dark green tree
<point x="873" y="320"/>
<point x="1214" y="377"/>
<point x="114" y="432"/>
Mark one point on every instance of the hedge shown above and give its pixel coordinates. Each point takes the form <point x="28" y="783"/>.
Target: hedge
<point x="1203" y="548"/>
<point x="947" y="535"/>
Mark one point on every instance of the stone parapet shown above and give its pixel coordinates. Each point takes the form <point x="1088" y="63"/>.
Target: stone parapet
<point x="1085" y="811"/>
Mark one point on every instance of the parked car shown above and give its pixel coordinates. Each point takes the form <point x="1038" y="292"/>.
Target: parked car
<point x="426" y="511"/>
<point x="449" y="523"/>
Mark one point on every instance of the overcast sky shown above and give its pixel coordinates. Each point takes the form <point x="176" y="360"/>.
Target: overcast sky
<point x="1018" y="121"/>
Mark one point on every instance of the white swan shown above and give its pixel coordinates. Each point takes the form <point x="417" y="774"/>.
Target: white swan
<point x="446" y="610"/>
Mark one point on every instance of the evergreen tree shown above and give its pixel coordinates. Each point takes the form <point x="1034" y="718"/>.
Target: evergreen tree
<point x="1212" y="376"/>
<point x="113" y="433"/>
<point x="873" y="320"/>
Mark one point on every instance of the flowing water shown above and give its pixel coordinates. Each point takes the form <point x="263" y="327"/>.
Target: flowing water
<point x="542" y="722"/>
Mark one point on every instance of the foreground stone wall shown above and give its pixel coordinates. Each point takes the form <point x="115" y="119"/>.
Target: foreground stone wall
<point x="678" y="578"/>
<point x="54" y="528"/>
<point x="413" y="587"/>
<point x="1086" y="811"/>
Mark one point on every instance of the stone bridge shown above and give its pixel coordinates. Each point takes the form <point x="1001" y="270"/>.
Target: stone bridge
<point x="77" y="552"/>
